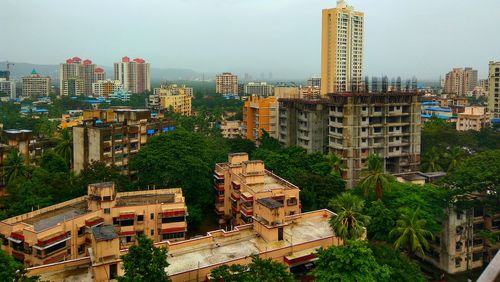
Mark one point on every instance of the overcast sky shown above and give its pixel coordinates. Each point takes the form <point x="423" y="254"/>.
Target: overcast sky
<point x="425" y="38"/>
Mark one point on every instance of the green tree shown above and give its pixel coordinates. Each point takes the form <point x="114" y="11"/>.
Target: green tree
<point x="11" y="270"/>
<point x="350" y="221"/>
<point x="335" y="163"/>
<point x="453" y="157"/>
<point x="375" y="177"/>
<point x="402" y="268"/>
<point x="98" y="172"/>
<point x="411" y="233"/>
<point x="64" y="146"/>
<point x="381" y="221"/>
<point x="14" y="166"/>
<point x="145" y="262"/>
<point x="265" y="270"/>
<point x="431" y="161"/>
<point x="350" y="263"/>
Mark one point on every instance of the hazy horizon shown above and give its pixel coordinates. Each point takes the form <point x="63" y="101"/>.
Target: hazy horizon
<point x="402" y="38"/>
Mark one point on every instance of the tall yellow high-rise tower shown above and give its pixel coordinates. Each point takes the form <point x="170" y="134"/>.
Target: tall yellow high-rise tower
<point x="342" y="49"/>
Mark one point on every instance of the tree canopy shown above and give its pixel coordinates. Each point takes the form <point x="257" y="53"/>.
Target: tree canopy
<point x="265" y="270"/>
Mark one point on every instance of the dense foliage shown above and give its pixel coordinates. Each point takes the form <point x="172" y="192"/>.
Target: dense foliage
<point x="258" y="270"/>
<point x="145" y="262"/>
<point x="11" y="270"/>
<point x="352" y="262"/>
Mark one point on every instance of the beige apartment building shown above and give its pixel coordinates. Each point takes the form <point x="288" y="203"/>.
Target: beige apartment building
<point x="342" y="49"/>
<point x="258" y="89"/>
<point x="63" y="231"/>
<point x="99" y="74"/>
<point x="494" y="90"/>
<point x="460" y="81"/>
<point x="286" y="91"/>
<point x="104" y="88"/>
<point x="73" y="87"/>
<point x="177" y="98"/>
<point x="473" y="118"/>
<point x="290" y="240"/>
<point x="386" y="124"/>
<point x="113" y="136"/>
<point x="310" y="92"/>
<point x="36" y="85"/>
<point x="231" y="129"/>
<point x="226" y="83"/>
<point x="135" y="75"/>
<point x="240" y="183"/>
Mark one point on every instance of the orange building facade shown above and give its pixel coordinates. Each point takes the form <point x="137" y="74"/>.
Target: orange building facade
<point x="259" y="114"/>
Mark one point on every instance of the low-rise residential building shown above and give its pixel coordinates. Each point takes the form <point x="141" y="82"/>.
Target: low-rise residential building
<point x="310" y="92"/>
<point x="259" y="89"/>
<point x="240" y="183"/>
<point x="104" y="88"/>
<point x="259" y="114"/>
<point x="291" y="240"/>
<point x="113" y="136"/>
<point x="36" y="85"/>
<point x="304" y="123"/>
<point x="231" y="129"/>
<point x="430" y="109"/>
<point x="71" y="118"/>
<point x="64" y="231"/>
<point x="121" y="95"/>
<point x="473" y="118"/>
<point x="286" y="91"/>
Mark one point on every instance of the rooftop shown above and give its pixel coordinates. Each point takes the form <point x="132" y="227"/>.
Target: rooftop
<point x="137" y="200"/>
<point x="243" y="242"/>
<point x="104" y="233"/>
<point x="270" y="203"/>
<point x="53" y="217"/>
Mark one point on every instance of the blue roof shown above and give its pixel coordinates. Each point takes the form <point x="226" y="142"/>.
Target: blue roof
<point x="438" y="109"/>
<point x="495" y="120"/>
<point x="41" y="111"/>
<point x="438" y="116"/>
<point x="430" y="103"/>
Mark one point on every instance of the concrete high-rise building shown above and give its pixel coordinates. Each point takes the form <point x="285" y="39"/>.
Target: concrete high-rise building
<point x="113" y="136"/>
<point x="73" y="86"/>
<point x="226" y="83"/>
<point x="304" y="123"/>
<point x="286" y="91"/>
<point x="104" y="88"/>
<point x="8" y="87"/>
<point x="494" y="89"/>
<point x="74" y="68"/>
<point x="36" y="85"/>
<point x="259" y="114"/>
<point x="314" y="82"/>
<point x="99" y="74"/>
<point x="259" y="89"/>
<point x="460" y="81"/>
<point x="385" y="124"/>
<point x="342" y="49"/>
<point x="134" y="75"/>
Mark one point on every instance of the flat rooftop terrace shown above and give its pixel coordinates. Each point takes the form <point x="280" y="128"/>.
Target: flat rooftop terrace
<point x="53" y="217"/>
<point x="83" y="274"/>
<point x="243" y="243"/>
<point x="144" y="199"/>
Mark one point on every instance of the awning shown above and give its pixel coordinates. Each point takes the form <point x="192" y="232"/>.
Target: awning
<point x="50" y="245"/>
<point x="173" y="230"/>
<point x="301" y="257"/>
<point x="14" y="240"/>
<point x="127" y="233"/>
<point x="173" y="213"/>
<point x="126" y="216"/>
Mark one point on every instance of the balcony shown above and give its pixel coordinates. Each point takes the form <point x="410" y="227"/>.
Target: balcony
<point x="219" y="209"/>
<point x="235" y="196"/>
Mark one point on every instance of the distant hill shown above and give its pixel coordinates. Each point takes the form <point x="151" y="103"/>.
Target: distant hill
<point x="157" y="74"/>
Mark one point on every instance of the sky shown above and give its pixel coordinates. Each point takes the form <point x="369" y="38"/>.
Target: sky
<point x="425" y="38"/>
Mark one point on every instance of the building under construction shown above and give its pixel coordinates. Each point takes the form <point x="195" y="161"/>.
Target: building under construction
<point x="355" y="125"/>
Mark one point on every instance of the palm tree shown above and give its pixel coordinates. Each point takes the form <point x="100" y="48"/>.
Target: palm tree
<point x="454" y="155"/>
<point x="14" y="166"/>
<point x="411" y="233"/>
<point x="335" y="164"/>
<point x="349" y="222"/>
<point x="64" y="147"/>
<point x="375" y="177"/>
<point x="431" y="160"/>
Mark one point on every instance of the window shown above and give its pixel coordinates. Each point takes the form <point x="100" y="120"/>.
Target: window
<point x="477" y="256"/>
<point x="152" y="216"/>
<point x="140" y="217"/>
<point x="172" y="219"/>
<point x="107" y="211"/>
<point x="81" y="249"/>
<point x="152" y="232"/>
<point x="175" y="235"/>
<point x="291" y="202"/>
<point x="106" y="198"/>
<point x="139" y="233"/>
<point x="458" y="262"/>
<point x="128" y="239"/>
<point x="113" y="271"/>
<point x="81" y="231"/>
<point x="127" y="222"/>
